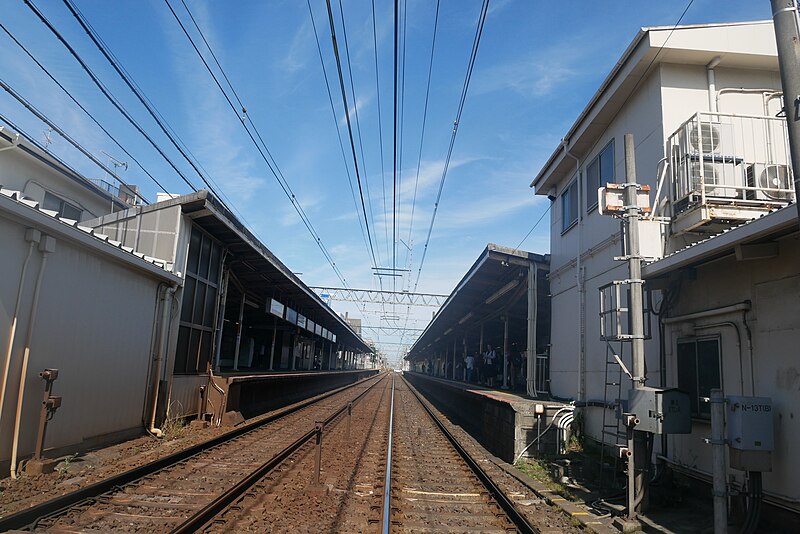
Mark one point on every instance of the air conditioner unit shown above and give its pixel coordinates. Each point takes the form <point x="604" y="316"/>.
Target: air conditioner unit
<point x="705" y="136"/>
<point x="711" y="176"/>
<point x="770" y="177"/>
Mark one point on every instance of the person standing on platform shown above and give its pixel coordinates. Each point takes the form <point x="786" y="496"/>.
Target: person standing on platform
<point x="469" y="364"/>
<point x="489" y="358"/>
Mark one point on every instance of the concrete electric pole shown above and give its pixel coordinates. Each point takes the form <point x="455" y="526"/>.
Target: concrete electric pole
<point x="641" y="458"/>
<point x="787" y="37"/>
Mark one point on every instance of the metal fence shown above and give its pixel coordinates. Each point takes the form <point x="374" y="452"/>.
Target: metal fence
<point x="717" y="157"/>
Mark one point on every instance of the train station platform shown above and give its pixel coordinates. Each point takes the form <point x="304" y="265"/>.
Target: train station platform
<point x="251" y="394"/>
<point x="506" y="423"/>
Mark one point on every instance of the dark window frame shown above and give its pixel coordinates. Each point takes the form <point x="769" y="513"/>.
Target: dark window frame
<point x="64" y="206"/>
<point x="600" y="163"/>
<point x="688" y="354"/>
<point x="569" y="199"/>
<point x="195" y="323"/>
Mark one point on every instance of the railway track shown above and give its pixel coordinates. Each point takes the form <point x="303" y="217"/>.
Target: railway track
<point x="435" y="484"/>
<point x="180" y="491"/>
<point x="323" y="466"/>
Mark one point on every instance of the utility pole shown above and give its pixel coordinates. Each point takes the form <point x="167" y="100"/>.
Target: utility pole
<point x="784" y="17"/>
<point x="641" y="460"/>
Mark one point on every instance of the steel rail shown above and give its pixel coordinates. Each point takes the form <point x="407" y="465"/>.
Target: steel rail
<point x="387" y="482"/>
<point x="494" y="491"/>
<point x="30" y="517"/>
<point x="205" y="517"/>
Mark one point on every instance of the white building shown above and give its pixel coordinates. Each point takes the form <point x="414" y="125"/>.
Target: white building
<point x="701" y="102"/>
<point x="39" y="175"/>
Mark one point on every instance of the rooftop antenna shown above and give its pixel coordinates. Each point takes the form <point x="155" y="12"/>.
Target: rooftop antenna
<point x="47" y="137"/>
<point x="116" y="163"/>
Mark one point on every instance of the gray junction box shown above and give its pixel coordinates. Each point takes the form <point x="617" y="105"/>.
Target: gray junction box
<point x="661" y="411"/>
<point x="751" y="433"/>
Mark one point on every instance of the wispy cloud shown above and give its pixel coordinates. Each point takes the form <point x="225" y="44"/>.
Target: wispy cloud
<point x="537" y="75"/>
<point x="299" y="54"/>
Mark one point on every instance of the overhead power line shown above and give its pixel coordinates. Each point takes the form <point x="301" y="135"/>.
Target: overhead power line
<point x="380" y="128"/>
<point x="262" y="149"/>
<point x="336" y="125"/>
<point x="107" y="94"/>
<point x="471" y="65"/>
<point x="137" y="92"/>
<point x="350" y="128"/>
<point x="86" y="111"/>
<point x="41" y="116"/>
<point x="424" y="121"/>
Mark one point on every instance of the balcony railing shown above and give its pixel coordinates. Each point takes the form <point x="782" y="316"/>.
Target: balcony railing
<point x="718" y="158"/>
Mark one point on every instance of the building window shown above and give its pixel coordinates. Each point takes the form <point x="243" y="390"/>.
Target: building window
<point x="569" y="206"/>
<point x="62" y="207"/>
<point x="198" y="306"/>
<point x="699" y="371"/>
<point x="598" y="173"/>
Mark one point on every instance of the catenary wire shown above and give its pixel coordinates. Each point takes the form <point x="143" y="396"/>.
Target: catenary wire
<point x="86" y="111"/>
<point x="471" y="65"/>
<point x="424" y="121"/>
<point x="272" y="166"/>
<point x="108" y="95"/>
<point x="380" y="128"/>
<point x="358" y="124"/>
<point x="336" y="123"/>
<point x="125" y="78"/>
<point x="350" y="128"/>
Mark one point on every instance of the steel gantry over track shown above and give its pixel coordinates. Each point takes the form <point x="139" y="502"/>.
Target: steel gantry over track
<point x="372" y="296"/>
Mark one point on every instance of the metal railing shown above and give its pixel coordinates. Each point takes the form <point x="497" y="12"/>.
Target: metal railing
<point x="725" y="158"/>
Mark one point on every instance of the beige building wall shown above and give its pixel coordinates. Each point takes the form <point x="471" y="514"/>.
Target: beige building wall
<point x="773" y="286"/>
<point x="94" y="323"/>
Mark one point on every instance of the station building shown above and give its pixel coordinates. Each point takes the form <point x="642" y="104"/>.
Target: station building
<point x="171" y="309"/>
<point x="703" y="103"/>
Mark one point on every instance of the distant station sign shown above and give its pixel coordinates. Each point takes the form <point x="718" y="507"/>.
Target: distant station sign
<point x="301" y="320"/>
<point x="310" y="325"/>
<point x="291" y="315"/>
<point x="276" y="308"/>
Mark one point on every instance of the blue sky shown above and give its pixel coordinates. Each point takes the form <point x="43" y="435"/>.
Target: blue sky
<point x="538" y="64"/>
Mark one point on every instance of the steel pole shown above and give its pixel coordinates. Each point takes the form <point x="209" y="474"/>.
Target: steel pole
<point x="454" y="359"/>
<point x="530" y="347"/>
<point x="272" y="347"/>
<point x="784" y="17"/>
<point x="505" y="352"/>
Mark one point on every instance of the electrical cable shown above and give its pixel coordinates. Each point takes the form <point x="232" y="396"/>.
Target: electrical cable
<point x="424" y="121"/>
<point x="358" y="123"/>
<point x="86" y="111"/>
<point x="349" y="127"/>
<point x="39" y="115"/>
<point x="335" y="123"/>
<point x="106" y="93"/>
<point x="380" y="128"/>
<point x="394" y="149"/>
<point x="273" y="167"/>
<point x="134" y="88"/>
<point x="470" y="67"/>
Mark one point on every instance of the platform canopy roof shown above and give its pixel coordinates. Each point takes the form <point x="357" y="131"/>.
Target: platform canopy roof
<point x="494" y="287"/>
<point x="259" y="271"/>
